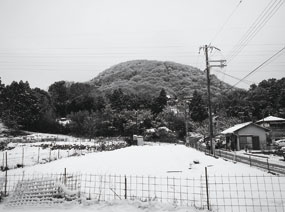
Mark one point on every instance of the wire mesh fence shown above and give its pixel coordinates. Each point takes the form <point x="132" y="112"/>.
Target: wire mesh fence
<point x="217" y="193"/>
<point x="252" y="160"/>
<point x="29" y="154"/>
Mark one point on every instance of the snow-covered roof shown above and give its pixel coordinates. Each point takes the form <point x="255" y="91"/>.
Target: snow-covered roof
<point x="270" y="118"/>
<point x="240" y="126"/>
<point x="236" y="127"/>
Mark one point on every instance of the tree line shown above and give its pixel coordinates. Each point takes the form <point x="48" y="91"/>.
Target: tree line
<point x="94" y="112"/>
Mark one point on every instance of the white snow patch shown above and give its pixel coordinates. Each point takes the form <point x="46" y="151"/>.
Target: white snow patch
<point x="154" y="160"/>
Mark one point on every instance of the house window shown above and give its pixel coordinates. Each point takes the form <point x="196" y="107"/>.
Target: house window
<point x="245" y="141"/>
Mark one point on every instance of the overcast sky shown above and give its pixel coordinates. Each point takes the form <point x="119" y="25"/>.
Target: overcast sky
<point x="43" y="41"/>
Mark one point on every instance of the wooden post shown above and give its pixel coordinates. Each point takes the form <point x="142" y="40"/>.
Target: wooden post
<point x="80" y="148"/>
<point x="207" y="188"/>
<point x="125" y="187"/>
<point x="58" y="154"/>
<point x="39" y="155"/>
<point x="65" y="176"/>
<point x="250" y="160"/>
<point x="23" y="156"/>
<point x="148" y="188"/>
<point x="3" y="160"/>
<point x="6" y="176"/>
<point x="268" y="165"/>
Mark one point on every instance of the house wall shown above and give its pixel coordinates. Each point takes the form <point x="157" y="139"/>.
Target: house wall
<point x="277" y="129"/>
<point x="252" y="130"/>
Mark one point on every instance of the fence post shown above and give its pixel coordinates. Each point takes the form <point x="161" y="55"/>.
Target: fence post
<point x="39" y="155"/>
<point x="250" y="160"/>
<point x="64" y="176"/>
<point x="23" y="156"/>
<point x="80" y="148"/>
<point x="207" y="188"/>
<point x="6" y="176"/>
<point x="3" y="160"/>
<point x="125" y="187"/>
<point x="268" y="165"/>
<point x="58" y="154"/>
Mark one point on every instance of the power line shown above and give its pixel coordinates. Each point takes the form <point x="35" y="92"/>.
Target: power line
<point x="225" y="23"/>
<point x="259" y="23"/>
<point x="257" y="68"/>
<point x="241" y="44"/>
<point x="233" y="77"/>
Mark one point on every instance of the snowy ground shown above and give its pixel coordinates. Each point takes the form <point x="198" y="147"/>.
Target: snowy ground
<point x="114" y="206"/>
<point x="154" y="160"/>
<point x="163" y="160"/>
<point x="42" y="148"/>
<point x="275" y="159"/>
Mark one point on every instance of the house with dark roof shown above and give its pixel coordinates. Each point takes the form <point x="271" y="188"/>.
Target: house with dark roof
<point x="246" y="136"/>
<point x="276" y="125"/>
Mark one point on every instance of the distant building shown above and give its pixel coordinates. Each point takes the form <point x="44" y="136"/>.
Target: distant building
<point x="63" y="121"/>
<point x="276" y="125"/>
<point x="246" y="135"/>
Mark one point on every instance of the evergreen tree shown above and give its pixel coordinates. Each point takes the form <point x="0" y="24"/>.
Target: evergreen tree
<point x="159" y="103"/>
<point x="197" y="108"/>
<point x="99" y="103"/>
<point x="116" y="99"/>
<point x="20" y="107"/>
<point x="59" y="96"/>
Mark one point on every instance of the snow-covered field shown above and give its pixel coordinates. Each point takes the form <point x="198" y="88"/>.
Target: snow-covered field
<point x="42" y="148"/>
<point x="159" y="162"/>
<point x="113" y="206"/>
<point x="153" y="159"/>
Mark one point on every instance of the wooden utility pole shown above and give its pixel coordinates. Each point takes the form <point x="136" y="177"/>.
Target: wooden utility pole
<point x="208" y="66"/>
<point x="186" y="121"/>
<point x="209" y="99"/>
<point x="186" y="109"/>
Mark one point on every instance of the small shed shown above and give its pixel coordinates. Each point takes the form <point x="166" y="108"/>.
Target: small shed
<point x="246" y="135"/>
<point x="140" y="141"/>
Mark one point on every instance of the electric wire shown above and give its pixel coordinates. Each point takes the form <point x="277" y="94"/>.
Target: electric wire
<point x="225" y="23"/>
<point x="233" y="77"/>
<point x="242" y="43"/>
<point x="259" y="23"/>
<point x="257" y="68"/>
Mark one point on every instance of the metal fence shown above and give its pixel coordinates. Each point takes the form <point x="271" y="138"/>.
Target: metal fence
<point x="218" y="193"/>
<point x="252" y="160"/>
<point x="39" y="154"/>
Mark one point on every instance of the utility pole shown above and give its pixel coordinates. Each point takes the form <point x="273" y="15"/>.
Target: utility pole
<point x="222" y="64"/>
<point x="186" y="121"/>
<point x="186" y="109"/>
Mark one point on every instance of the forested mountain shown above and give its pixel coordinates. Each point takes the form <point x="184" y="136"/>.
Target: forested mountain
<point x="133" y="96"/>
<point x="145" y="77"/>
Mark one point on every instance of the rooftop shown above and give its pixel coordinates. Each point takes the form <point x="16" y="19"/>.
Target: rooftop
<point x="270" y="118"/>
<point x="235" y="128"/>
